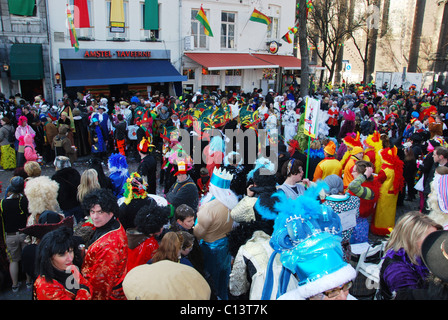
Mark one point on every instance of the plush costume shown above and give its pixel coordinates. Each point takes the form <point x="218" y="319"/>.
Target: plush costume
<point x="212" y="226"/>
<point x="29" y="151"/>
<point x="118" y="173"/>
<point x="392" y="173"/>
<point x="348" y="168"/>
<point x="329" y="165"/>
<point x="333" y="123"/>
<point x="289" y="121"/>
<point x="373" y="145"/>
<point x="21" y="131"/>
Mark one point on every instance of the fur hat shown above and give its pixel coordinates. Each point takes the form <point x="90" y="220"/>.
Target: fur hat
<point x="165" y="280"/>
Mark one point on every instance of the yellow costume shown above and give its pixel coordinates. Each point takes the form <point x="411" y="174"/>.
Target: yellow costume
<point x="391" y="174"/>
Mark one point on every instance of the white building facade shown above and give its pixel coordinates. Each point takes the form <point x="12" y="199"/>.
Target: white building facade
<point x="175" y="54"/>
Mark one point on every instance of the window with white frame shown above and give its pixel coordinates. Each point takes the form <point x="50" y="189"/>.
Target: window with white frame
<point x="197" y="31"/>
<point x="118" y="36"/>
<point x="84" y="33"/>
<point x="272" y="30"/>
<point x="228" y="30"/>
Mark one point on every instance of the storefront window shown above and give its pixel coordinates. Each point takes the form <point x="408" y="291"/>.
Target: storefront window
<point x="189" y="73"/>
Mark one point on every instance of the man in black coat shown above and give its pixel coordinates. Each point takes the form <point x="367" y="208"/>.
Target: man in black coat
<point x="148" y="166"/>
<point x="69" y="179"/>
<point x="184" y="190"/>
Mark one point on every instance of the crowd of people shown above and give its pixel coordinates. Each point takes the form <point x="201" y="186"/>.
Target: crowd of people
<point x="200" y="219"/>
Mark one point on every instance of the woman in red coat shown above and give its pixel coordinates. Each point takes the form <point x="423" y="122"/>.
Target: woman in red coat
<point x="58" y="275"/>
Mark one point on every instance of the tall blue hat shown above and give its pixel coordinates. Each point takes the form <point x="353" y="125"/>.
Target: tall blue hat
<point x="307" y="235"/>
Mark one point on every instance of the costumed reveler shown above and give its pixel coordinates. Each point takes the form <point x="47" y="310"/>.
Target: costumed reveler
<point x="289" y="121"/>
<point x="106" y="255"/>
<point x="118" y="173"/>
<point x="249" y="240"/>
<point x="213" y="224"/>
<point x="307" y="238"/>
<point x="392" y="174"/>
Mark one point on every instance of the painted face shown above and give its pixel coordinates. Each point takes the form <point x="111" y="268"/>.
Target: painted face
<point x="61" y="261"/>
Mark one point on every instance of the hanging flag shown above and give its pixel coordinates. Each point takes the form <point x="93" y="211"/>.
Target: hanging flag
<point x="288" y="37"/>
<point x="257" y="16"/>
<point x="202" y="18"/>
<point x="81" y="14"/>
<point x="71" y="28"/>
<point x="22" y="7"/>
<point x="117" y="16"/>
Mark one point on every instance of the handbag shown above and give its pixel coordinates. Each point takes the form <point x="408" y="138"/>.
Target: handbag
<point x="419" y="185"/>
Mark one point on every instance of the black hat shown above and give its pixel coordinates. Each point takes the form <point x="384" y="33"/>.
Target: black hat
<point x="16" y="185"/>
<point x="435" y="253"/>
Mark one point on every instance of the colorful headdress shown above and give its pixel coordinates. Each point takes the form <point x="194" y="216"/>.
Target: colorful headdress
<point x="145" y="146"/>
<point x="117" y="163"/>
<point x="134" y="188"/>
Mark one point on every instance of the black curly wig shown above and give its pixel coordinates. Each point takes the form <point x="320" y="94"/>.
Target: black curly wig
<point x="103" y="197"/>
<point x="151" y="218"/>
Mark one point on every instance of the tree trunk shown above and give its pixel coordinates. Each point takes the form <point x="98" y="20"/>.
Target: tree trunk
<point x="416" y="35"/>
<point x="304" y="54"/>
<point x="371" y="52"/>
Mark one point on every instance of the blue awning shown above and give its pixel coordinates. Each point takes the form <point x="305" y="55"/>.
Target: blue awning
<point x="80" y="73"/>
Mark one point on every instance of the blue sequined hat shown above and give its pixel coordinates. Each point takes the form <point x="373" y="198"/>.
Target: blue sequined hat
<point x="308" y="237"/>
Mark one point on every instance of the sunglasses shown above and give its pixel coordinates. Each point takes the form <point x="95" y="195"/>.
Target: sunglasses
<point x="333" y="293"/>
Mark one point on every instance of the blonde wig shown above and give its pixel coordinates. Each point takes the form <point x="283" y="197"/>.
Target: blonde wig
<point x="42" y="193"/>
<point x="89" y="181"/>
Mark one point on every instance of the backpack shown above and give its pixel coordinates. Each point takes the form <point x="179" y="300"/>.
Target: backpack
<point x="11" y="136"/>
<point x="58" y="146"/>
